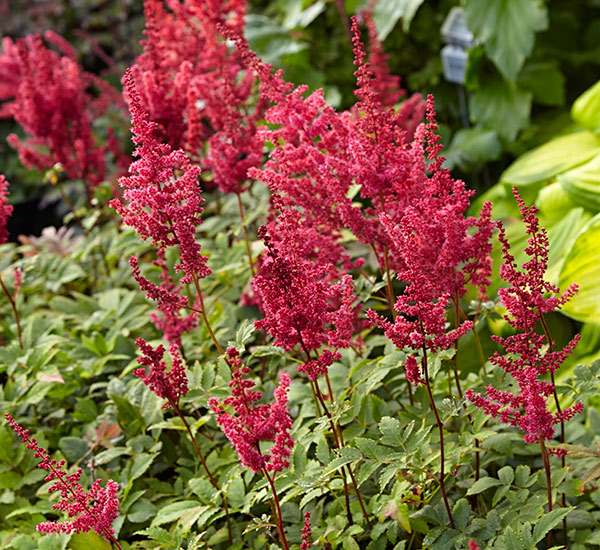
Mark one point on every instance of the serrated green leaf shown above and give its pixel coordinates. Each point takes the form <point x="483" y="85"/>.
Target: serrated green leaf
<point x="549" y="521"/>
<point x="506" y="475"/>
<point x="507" y="28"/>
<point x="522" y="475"/>
<point x="461" y="512"/>
<point x="512" y="540"/>
<point x="482" y="484"/>
<point x="391" y="430"/>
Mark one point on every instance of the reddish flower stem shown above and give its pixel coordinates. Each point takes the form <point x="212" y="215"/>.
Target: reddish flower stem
<point x="440" y="427"/>
<point x="15" y="312"/>
<point x="248" y="251"/>
<point x="278" y="507"/>
<point x="204" y="316"/>
<point x="211" y="478"/>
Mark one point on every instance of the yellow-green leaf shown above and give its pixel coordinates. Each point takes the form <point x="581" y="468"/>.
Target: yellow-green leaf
<point x="552" y="158"/>
<point x="582" y="266"/>
<point x="586" y="109"/>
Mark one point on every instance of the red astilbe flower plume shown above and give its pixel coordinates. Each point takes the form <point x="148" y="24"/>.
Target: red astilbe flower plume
<point x="171" y="385"/>
<point x="162" y="202"/>
<point x="94" y="509"/>
<point x="195" y="88"/>
<point x="54" y="104"/>
<point x="387" y="86"/>
<point x="5" y="209"/>
<point x="529" y="355"/>
<point x="251" y="422"/>
<point x="440" y="250"/>
<point x="303" y="307"/>
<point x="169" y="319"/>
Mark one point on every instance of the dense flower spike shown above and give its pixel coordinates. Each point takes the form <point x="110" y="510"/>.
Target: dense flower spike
<point x="529" y="355"/>
<point x="306" y="533"/>
<point x="171" y="385"/>
<point x="94" y="509"/>
<point x="53" y="102"/>
<point x="439" y="254"/>
<point x="251" y="422"/>
<point x="162" y="194"/>
<point x="302" y="307"/>
<point x="5" y="209"/>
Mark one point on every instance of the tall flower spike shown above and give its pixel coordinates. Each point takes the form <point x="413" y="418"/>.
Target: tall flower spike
<point x="529" y="355"/>
<point x="162" y="195"/>
<point x="94" y="509"/>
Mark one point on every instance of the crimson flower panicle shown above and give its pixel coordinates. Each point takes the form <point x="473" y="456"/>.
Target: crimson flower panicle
<point x="171" y="385"/>
<point x="528" y="355"/>
<point x="302" y="307"/>
<point x="162" y="193"/>
<point x="94" y="509"/>
<point x="51" y="100"/>
<point x="251" y="422"/>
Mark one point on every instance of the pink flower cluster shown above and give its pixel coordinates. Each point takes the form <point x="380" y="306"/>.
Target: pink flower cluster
<point x="251" y="422"/>
<point x="529" y="355"/>
<point x="49" y="96"/>
<point x="306" y="533"/>
<point x="171" y="385"/>
<point x="94" y="509"/>
<point x="5" y="209"/>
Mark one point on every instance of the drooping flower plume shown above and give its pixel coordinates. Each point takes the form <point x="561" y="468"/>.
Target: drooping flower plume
<point x="94" y="509"/>
<point x="170" y="385"/>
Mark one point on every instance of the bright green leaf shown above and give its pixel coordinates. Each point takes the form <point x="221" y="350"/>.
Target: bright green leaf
<point x="581" y="267"/>
<point x="88" y="541"/>
<point x="586" y="109"/>
<point x="507" y="28"/>
<point x="502" y="107"/>
<point x="552" y="158"/>
<point x="582" y="184"/>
